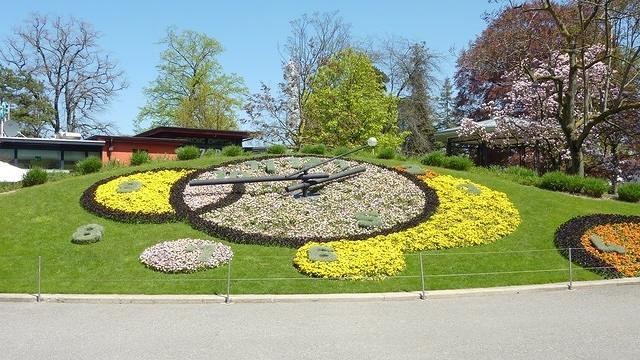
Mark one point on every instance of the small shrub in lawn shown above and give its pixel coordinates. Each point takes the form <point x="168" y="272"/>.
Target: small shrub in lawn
<point x="522" y="175"/>
<point x="112" y="164"/>
<point x="555" y="181"/>
<point x="629" y="192"/>
<point x="35" y="176"/>
<point x="340" y="150"/>
<point x="89" y="165"/>
<point x="318" y="149"/>
<point x="139" y="158"/>
<point x="189" y="152"/>
<point x="559" y="181"/>
<point x="435" y="158"/>
<point x="232" y="150"/>
<point x="594" y="187"/>
<point x="387" y="153"/>
<point x="277" y="149"/>
<point x="458" y="163"/>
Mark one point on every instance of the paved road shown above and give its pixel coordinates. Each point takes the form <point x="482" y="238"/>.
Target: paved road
<point x="596" y="323"/>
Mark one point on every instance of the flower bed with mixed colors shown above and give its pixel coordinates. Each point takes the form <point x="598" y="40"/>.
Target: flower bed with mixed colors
<point x="137" y="197"/>
<point x="186" y="255"/>
<point x="263" y="213"/>
<point x="469" y="214"/>
<point x="603" y="243"/>
<point x="357" y="227"/>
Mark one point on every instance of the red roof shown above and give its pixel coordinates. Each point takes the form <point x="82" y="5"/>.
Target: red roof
<point x="175" y="132"/>
<point x="137" y="139"/>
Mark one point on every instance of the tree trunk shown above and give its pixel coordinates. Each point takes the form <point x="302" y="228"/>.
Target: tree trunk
<point x="577" y="159"/>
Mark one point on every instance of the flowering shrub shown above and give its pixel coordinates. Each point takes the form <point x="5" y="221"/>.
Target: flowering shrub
<point x="618" y="232"/>
<point x="355" y="260"/>
<point x="464" y="218"/>
<point x="186" y="255"/>
<point x="150" y="203"/>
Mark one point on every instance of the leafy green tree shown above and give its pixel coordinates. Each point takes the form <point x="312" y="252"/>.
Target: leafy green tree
<point x="191" y="89"/>
<point x="348" y="104"/>
<point x="33" y="111"/>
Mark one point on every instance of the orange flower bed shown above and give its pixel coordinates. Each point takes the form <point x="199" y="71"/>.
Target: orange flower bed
<point x="626" y="235"/>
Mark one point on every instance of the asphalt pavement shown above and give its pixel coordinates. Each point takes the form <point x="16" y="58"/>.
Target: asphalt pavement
<point x="592" y="323"/>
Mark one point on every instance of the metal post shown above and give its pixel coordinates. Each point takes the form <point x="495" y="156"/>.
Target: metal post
<point x="422" y="294"/>
<point x="39" y="295"/>
<point x="227" y="299"/>
<point x="570" y="271"/>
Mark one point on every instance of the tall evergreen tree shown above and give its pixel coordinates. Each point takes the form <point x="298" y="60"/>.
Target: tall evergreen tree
<point x="445" y="110"/>
<point x="415" y="112"/>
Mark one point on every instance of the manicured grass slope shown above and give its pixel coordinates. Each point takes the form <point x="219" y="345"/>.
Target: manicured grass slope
<point x="39" y="221"/>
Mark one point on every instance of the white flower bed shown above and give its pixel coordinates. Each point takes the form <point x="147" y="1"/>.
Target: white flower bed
<point x="267" y="209"/>
<point x="186" y="255"/>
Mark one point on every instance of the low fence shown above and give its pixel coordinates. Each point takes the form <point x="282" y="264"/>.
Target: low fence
<point x="424" y="268"/>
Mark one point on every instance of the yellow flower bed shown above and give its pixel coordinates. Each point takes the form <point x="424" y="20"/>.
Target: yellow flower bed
<point x="355" y="260"/>
<point x="469" y="214"/>
<point x="152" y="198"/>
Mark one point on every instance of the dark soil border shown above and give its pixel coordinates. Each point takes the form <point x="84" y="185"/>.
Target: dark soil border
<point x="236" y="236"/>
<point x="568" y="235"/>
<point x="89" y="203"/>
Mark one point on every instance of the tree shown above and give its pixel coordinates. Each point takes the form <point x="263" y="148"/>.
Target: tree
<point x="191" y="89"/>
<point x="313" y="40"/>
<point x="511" y="35"/>
<point x="446" y="106"/>
<point x="277" y="118"/>
<point x="594" y="23"/>
<point x="347" y="104"/>
<point x="63" y="54"/>
<point x="32" y="108"/>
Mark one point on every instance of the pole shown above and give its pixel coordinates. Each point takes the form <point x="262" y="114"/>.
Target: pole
<point x="422" y="294"/>
<point x="570" y="271"/>
<point x="227" y="299"/>
<point x="39" y="296"/>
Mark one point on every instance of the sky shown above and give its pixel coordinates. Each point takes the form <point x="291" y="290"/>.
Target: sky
<point x="251" y="32"/>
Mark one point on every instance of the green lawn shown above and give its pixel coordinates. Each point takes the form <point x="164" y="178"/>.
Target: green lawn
<point x="38" y="221"/>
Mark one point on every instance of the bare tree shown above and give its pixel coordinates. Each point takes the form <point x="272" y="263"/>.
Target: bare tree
<point x="64" y="55"/>
<point x="313" y="40"/>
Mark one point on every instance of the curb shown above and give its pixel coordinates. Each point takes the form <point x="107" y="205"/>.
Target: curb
<point x="306" y="298"/>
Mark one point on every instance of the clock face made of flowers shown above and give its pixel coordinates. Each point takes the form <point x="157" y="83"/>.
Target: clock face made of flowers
<point x="356" y="227"/>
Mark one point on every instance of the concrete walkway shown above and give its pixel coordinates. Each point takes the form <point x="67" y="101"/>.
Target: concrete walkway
<point x="596" y="322"/>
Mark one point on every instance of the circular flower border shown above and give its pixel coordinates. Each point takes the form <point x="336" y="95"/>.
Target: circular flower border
<point x="241" y="237"/>
<point x="569" y="235"/>
<point x="89" y="203"/>
<point x="185" y="255"/>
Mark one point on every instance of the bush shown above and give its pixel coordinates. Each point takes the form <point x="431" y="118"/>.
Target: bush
<point x="232" y="150"/>
<point x="594" y="187"/>
<point x="521" y="175"/>
<point x="435" y="158"/>
<point x="340" y="150"/>
<point x="458" y="163"/>
<point x="139" y="158"/>
<point x="277" y="149"/>
<point x="559" y="181"/>
<point x="629" y="192"/>
<point x="188" y="152"/>
<point x="35" y="176"/>
<point x="387" y="153"/>
<point x="318" y="149"/>
<point x="89" y="165"/>
<point x="112" y="164"/>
